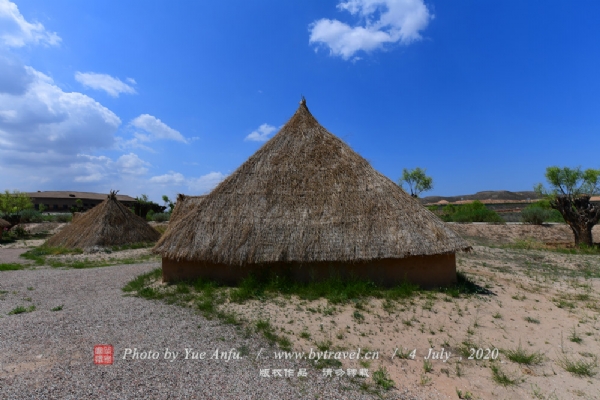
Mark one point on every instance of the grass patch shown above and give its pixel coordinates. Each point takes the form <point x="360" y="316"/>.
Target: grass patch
<point x="575" y="338"/>
<point x="11" y="266"/>
<point x="57" y="308"/>
<point x="532" y="320"/>
<point x="521" y="356"/>
<point x="39" y="254"/>
<point x="21" y="310"/>
<point x="381" y="377"/>
<point x="501" y="378"/>
<point x="580" y="367"/>
<point x="264" y="326"/>
<point x="143" y="280"/>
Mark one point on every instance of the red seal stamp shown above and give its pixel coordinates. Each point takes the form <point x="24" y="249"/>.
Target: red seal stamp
<point x="103" y="354"/>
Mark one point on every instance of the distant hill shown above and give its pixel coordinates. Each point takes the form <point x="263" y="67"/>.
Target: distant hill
<point x="496" y="196"/>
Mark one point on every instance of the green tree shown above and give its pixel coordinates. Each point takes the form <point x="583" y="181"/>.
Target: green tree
<point x="569" y="193"/>
<point x="168" y="202"/>
<point x="78" y="207"/>
<point x="416" y="180"/>
<point x="15" y="202"/>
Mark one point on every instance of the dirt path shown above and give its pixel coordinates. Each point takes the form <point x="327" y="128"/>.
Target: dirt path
<point x="49" y="354"/>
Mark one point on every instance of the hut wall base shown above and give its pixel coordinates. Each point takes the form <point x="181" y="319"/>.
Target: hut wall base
<point x="426" y="271"/>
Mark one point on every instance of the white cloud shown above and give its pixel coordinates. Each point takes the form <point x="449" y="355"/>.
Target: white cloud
<point x="155" y="129"/>
<point x="112" y="86"/>
<point x="172" y="178"/>
<point x="15" y="31"/>
<point x="205" y="183"/>
<point x="385" y="21"/>
<point x="202" y="184"/>
<point x="103" y="169"/>
<point x="261" y="134"/>
<point x="131" y="164"/>
<point x="40" y="123"/>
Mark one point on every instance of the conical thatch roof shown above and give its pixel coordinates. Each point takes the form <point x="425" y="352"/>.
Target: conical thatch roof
<point x="110" y="223"/>
<point x="183" y="205"/>
<point x="306" y="196"/>
<point x="4" y="224"/>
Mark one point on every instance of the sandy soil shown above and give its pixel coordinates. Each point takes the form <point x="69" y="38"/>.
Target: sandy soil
<point x="540" y="302"/>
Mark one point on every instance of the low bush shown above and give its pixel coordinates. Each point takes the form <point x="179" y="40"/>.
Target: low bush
<point x="161" y="217"/>
<point x="535" y="215"/>
<point x="540" y="212"/>
<point x="471" y="212"/>
<point x="31" y="215"/>
<point x="64" y="218"/>
<point x="150" y="215"/>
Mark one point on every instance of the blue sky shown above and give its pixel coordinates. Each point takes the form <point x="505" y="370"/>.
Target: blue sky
<point x="162" y="97"/>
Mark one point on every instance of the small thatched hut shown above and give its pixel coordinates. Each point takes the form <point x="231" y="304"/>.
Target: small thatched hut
<point x="308" y="206"/>
<point x="108" y="224"/>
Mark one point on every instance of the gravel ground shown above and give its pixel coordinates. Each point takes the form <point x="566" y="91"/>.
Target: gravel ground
<point x="46" y="354"/>
<point x="12" y="256"/>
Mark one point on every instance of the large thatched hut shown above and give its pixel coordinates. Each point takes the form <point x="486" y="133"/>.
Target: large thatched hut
<point x="308" y="206"/>
<point x="108" y="224"/>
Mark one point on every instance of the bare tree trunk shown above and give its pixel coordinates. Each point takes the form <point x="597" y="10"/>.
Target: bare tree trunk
<point x="580" y="215"/>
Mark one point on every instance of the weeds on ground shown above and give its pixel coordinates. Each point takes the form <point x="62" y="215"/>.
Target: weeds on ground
<point x="39" y="254"/>
<point x="521" y="356"/>
<point x="21" y="310"/>
<point x="501" y="378"/>
<point x="382" y="378"/>
<point x="467" y="395"/>
<point x="579" y="367"/>
<point x="11" y="266"/>
<point x="575" y="338"/>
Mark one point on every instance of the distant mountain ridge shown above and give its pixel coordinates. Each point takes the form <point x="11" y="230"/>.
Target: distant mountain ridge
<point x="495" y="195"/>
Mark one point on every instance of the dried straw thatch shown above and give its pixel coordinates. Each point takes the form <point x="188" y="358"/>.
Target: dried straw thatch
<point x="183" y="205"/>
<point x="110" y="223"/>
<point x="306" y="197"/>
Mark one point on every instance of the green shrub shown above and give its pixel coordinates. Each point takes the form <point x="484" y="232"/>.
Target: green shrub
<point x="18" y="231"/>
<point x="542" y="209"/>
<point x="471" y="212"/>
<point x="535" y="215"/>
<point x="31" y="215"/>
<point x="161" y="217"/>
<point x="64" y="218"/>
<point x="150" y="215"/>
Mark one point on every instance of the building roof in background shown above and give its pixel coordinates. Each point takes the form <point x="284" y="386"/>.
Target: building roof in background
<point x="65" y="194"/>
